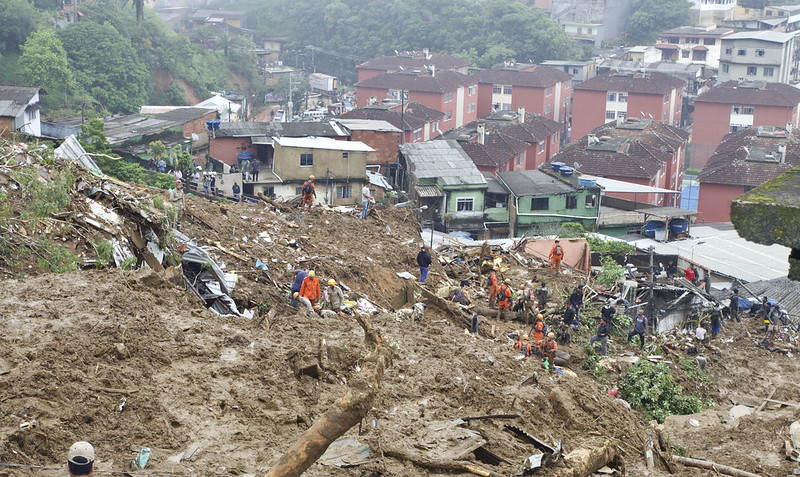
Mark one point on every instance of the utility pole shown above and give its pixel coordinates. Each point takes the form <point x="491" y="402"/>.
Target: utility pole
<point x="651" y="252"/>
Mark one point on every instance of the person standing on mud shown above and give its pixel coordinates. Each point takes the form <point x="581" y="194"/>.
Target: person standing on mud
<point x="556" y="255"/>
<point x="335" y="296"/>
<point x="576" y="300"/>
<point x="608" y="311"/>
<point x="639" y="327"/>
<point x="541" y="296"/>
<point x="734" y="305"/>
<point x="601" y="336"/>
<point x="424" y="261"/>
<point x="309" y="192"/>
<point x="80" y="459"/>
<point x="310" y="288"/>
<point x="492" y="280"/>
<point x="504" y="298"/>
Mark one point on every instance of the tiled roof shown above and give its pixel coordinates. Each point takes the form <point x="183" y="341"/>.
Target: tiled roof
<point x="415" y="115"/>
<point x="540" y="77"/>
<point x="631" y="152"/>
<point x="649" y="83"/>
<point x="533" y="182"/>
<point x="444" y="81"/>
<point x="785" y="291"/>
<point x="14" y="99"/>
<point x="253" y="128"/>
<point x="313" y="128"/>
<point x="755" y="94"/>
<point x="444" y="161"/>
<point x="505" y="136"/>
<point x="740" y="159"/>
<point x="394" y="63"/>
<point x="184" y="114"/>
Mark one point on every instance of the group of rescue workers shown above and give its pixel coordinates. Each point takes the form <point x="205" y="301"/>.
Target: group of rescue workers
<point x="306" y="292"/>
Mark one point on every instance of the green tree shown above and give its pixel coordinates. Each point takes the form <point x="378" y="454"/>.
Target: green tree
<point x="44" y="61"/>
<point x="157" y="150"/>
<point x="106" y="65"/>
<point x="92" y="137"/>
<point x="651" y="17"/>
<point x="18" y="19"/>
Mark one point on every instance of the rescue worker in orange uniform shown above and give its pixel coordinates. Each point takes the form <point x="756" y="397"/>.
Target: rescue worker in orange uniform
<point x="556" y="255"/>
<point x="310" y="288"/>
<point x="538" y="330"/>
<point x="549" y="348"/>
<point x="504" y="298"/>
<point x="492" y="288"/>
<point x="309" y="192"/>
<point x="523" y="346"/>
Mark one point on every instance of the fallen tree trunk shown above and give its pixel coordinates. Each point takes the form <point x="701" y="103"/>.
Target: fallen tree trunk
<point x="438" y="464"/>
<point x="345" y="413"/>
<point x="587" y="460"/>
<point x="705" y="464"/>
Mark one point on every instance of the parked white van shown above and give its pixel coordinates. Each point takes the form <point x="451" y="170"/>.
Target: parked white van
<point x="314" y="115"/>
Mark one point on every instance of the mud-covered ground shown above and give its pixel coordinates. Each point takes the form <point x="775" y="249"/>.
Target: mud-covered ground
<point x="129" y="359"/>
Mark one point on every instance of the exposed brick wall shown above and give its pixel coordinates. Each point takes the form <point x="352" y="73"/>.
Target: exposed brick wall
<point x="384" y="143"/>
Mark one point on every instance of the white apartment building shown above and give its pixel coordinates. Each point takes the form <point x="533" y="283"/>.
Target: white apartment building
<point x="758" y="56"/>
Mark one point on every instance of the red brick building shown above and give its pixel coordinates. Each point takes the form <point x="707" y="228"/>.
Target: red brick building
<point x="732" y="105"/>
<point x="418" y="122"/>
<point x="542" y="90"/>
<point x="744" y="159"/>
<point x="411" y="61"/>
<point x="378" y="134"/>
<point x="502" y="141"/>
<point x="452" y="93"/>
<point x="640" y="151"/>
<point x="604" y="99"/>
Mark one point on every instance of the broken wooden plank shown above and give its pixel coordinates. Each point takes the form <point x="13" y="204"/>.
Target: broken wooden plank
<point x="707" y="464"/>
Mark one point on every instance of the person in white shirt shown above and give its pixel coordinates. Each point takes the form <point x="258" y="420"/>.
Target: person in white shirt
<point x="700" y="333"/>
<point x="366" y="197"/>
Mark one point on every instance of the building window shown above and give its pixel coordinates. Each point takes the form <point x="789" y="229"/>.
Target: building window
<point x="507" y="89"/>
<point x="759" y="52"/>
<point x="448" y="96"/>
<point x="591" y="202"/>
<point x="555" y="137"/>
<point x="572" y="201"/>
<point x="471" y="107"/>
<point x="709" y="41"/>
<point x="448" y="116"/>
<point x="345" y="155"/>
<point x="588" y="31"/>
<point x="417" y="135"/>
<point x="520" y="159"/>
<point x="725" y="67"/>
<point x="769" y="13"/>
<point x="741" y="51"/>
<point x="611" y="115"/>
<point x="548" y="108"/>
<point x="436" y="125"/>
<point x="540" y="203"/>
<point x="769" y="71"/>
<point x="548" y="91"/>
<point x="497" y="89"/>
<point x="622" y="97"/>
<point x="611" y="97"/>
<point x="673" y="39"/>
<point x="465" y="204"/>
<point x="693" y="40"/>
<point x="752" y="70"/>
<point x="698" y="55"/>
<point x="505" y="107"/>
<point x="568" y="83"/>
<point x="269" y="191"/>
<point x="684" y="53"/>
<point x="306" y="159"/>
<point x="471" y="90"/>
<point x="748" y="110"/>
<point x="621" y="114"/>
<point x="541" y="146"/>
<point x="734" y="128"/>
<point x="666" y="98"/>
<point x="664" y="116"/>
<point x="396" y="94"/>
<point x="344" y="192"/>
<point x="729" y="50"/>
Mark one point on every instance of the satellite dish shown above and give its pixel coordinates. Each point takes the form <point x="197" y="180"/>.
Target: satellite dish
<point x="576" y="165"/>
<point x="195" y="137"/>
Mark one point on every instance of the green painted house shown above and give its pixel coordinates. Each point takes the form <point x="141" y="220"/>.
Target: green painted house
<point x="540" y="201"/>
<point x="440" y="175"/>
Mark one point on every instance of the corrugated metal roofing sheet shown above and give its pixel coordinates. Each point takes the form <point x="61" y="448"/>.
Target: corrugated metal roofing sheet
<point x="323" y="143"/>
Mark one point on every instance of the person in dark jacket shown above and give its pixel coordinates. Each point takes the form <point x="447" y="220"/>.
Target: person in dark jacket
<point x="299" y="276"/>
<point x="601" y="336"/>
<point x="424" y="262"/>
<point x="541" y="296"/>
<point x="576" y="300"/>
<point x="607" y="312"/>
<point x="236" y="191"/>
<point x="734" y="306"/>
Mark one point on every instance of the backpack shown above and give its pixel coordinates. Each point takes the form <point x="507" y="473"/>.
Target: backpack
<point x="488" y="281"/>
<point x="558" y="252"/>
<point x="307" y="187"/>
